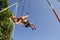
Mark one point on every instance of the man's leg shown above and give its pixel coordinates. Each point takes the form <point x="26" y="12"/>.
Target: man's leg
<point x="32" y="26"/>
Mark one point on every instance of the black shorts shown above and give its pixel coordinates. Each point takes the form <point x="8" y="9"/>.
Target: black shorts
<point x="27" y="24"/>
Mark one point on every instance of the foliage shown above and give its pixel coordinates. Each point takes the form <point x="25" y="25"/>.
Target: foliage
<point x="6" y="26"/>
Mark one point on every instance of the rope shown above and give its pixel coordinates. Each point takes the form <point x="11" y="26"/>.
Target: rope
<point x="54" y="11"/>
<point x="49" y="4"/>
<point x="58" y="0"/>
<point x="15" y="13"/>
<point x="10" y="6"/>
<point x="15" y="10"/>
<point x="19" y="1"/>
<point x="28" y="5"/>
<point x="23" y="7"/>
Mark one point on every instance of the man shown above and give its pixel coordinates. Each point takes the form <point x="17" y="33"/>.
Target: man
<point x="23" y="21"/>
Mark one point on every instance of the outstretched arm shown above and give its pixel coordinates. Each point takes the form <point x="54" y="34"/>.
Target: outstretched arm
<point x="24" y="17"/>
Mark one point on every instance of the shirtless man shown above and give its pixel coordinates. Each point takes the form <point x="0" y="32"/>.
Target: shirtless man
<point x="23" y="21"/>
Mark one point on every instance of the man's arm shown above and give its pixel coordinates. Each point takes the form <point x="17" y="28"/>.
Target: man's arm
<point x="24" y="17"/>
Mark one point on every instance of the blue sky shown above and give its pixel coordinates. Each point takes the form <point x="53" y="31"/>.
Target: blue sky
<point x="40" y="13"/>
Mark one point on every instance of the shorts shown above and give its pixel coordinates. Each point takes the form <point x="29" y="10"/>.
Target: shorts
<point x="27" y="24"/>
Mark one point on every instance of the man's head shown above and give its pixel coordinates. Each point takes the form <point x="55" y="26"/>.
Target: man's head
<point x="12" y="17"/>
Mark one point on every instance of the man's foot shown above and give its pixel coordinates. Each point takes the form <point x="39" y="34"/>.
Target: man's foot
<point x="33" y="28"/>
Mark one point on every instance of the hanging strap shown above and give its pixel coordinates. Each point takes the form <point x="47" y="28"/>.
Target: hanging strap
<point x="15" y="14"/>
<point x="10" y="6"/>
<point x="58" y="0"/>
<point x="50" y="4"/>
<point x="28" y="8"/>
<point x="23" y="7"/>
<point x="54" y="11"/>
<point x="28" y="5"/>
<point x="15" y="10"/>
